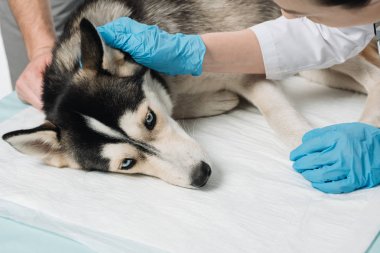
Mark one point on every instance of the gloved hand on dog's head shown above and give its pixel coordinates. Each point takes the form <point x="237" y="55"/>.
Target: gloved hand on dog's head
<point x="172" y="54"/>
<point x="340" y="158"/>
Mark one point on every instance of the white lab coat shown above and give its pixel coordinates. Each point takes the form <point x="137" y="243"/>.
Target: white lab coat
<point x="292" y="45"/>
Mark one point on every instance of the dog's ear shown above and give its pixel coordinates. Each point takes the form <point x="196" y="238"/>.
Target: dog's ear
<point x="37" y="141"/>
<point x="116" y="62"/>
<point x="91" y="46"/>
<point x="42" y="142"/>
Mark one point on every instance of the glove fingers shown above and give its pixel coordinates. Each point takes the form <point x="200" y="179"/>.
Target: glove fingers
<point x="121" y="33"/>
<point x="325" y="174"/>
<point x="312" y="146"/>
<point x="336" y="187"/>
<point x="107" y="34"/>
<point x="314" y="161"/>
<point x="126" y="42"/>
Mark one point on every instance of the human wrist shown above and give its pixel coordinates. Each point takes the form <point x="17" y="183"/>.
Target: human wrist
<point x="41" y="50"/>
<point x="233" y="52"/>
<point x="38" y="37"/>
<point x="198" y="56"/>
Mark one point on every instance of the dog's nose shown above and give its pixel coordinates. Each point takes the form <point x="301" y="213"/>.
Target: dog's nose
<point x="201" y="175"/>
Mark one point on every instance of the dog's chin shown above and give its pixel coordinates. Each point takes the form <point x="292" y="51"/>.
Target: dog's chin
<point x="191" y="185"/>
<point x="195" y="185"/>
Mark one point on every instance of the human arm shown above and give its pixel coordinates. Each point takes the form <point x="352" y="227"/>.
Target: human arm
<point x="36" y="25"/>
<point x="340" y="158"/>
<point x="233" y="52"/>
<point x="236" y="52"/>
<point x="268" y="48"/>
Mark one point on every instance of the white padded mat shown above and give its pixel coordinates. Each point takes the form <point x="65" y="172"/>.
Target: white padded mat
<point x="254" y="201"/>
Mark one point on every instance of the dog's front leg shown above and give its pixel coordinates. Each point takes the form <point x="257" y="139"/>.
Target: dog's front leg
<point x="277" y="110"/>
<point x="361" y="70"/>
<point x="333" y="79"/>
<point x="368" y="75"/>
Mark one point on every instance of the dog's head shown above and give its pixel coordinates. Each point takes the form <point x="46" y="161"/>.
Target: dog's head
<point x="104" y="121"/>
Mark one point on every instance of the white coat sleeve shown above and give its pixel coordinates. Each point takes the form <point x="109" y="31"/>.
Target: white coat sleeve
<point x="292" y="45"/>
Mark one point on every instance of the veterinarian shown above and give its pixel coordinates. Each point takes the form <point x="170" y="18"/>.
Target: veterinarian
<point x="311" y="34"/>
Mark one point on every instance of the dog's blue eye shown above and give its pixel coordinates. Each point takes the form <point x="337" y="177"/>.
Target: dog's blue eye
<point x="127" y="164"/>
<point x="150" y="120"/>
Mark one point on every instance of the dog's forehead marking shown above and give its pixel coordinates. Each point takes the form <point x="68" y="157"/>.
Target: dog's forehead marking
<point x="132" y="125"/>
<point x="130" y="122"/>
<point x="101" y="128"/>
<point x="156" y="96"/>
<point x="154" y="91"/>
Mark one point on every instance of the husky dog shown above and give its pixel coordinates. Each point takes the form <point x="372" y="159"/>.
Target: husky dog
<point x="110" y="114"/>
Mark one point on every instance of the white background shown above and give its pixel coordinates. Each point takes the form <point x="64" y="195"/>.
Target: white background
<point x="5" y="80"/>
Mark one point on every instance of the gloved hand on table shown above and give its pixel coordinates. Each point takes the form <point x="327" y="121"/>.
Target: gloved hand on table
<point x="340" y="158"/>
<point x="172" y="54"/>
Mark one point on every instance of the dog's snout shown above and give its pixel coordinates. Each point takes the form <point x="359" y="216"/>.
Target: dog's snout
<point x="201" y="175"/>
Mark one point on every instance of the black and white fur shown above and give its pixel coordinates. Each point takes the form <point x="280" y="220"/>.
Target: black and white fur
<point x="115" y="115"/>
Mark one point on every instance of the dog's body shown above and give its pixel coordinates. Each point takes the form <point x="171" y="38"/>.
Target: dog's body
<point x="114" y="115"/>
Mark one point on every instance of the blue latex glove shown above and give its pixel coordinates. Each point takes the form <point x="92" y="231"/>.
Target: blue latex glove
<point x="340" y="158"/>
<point x="172" y="54"/>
